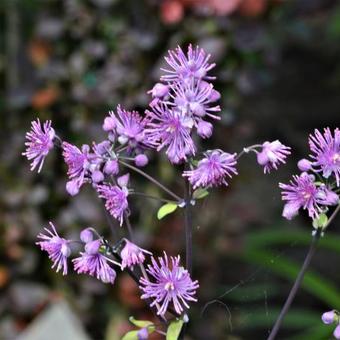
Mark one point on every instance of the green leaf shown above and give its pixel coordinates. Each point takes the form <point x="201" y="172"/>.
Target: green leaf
<point x="319" y="286"/>
<point x="132" y="335"/>
<point x="174" y="329"/>
<point x="140" y="323"/>
<point x="200" y="193"/>
<point x="166" y="209"/>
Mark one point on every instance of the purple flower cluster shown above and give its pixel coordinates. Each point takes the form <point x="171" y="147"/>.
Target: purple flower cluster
<point x="330" y="318"/>
<point x="39" y="143"/>
<point x="132" y="255"/>
<point x="170" y="283"/>
<point x="212" y="170"/>
<point x="304" y="190"/>
<point x="57" y="248"/>
<point x="181" y="103"/>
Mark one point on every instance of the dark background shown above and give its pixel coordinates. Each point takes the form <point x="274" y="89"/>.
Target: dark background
<point x="278" y="69"/>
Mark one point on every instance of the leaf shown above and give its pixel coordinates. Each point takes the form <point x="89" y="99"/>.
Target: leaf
<point x="140" y="323"/>
<point x="174" y="329"/>
<point x="200" y="193"/>
<point x="319" y="286"/>
<point x="132" y="335"/>
<point x="166" y="209"/>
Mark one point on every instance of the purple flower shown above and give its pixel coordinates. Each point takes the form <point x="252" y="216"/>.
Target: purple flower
<point x="194" y="64"/>
<point x="131" y="255"/>
<point x="272" y="154"/>
<point x="328" y="317"/>
<point x="194" y="100"/>
<point x="130" y="126"/>
<point x="213" y="169"/>
<point x="171" y="129"/>
<point x="336" y="332"/>
<point x="115" y="200"/>
<point x="302" y="192"/>
<point x="39" y="143"/>
<point x="326" y="152"/>
<point x="78" y="163"/>
<point x="304" y="165"/>
<point x="170" y="283"/>
<point x="57" y="248"/>
<point x="86" y="235"/>
<point x="93" y="263"/>
<point x="143" y="334"/>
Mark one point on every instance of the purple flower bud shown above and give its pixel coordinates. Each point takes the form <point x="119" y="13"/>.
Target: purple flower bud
<point x="111" y="167"/>
<point x="328" y="317"/>
<point x="92" y="247"/>
<point x="111" y="137"/>
<point x="109" y="124"/>
<point x="159" y="90"/>
<point x="204" y="129"/>
<point x="86" y="235"/>
<point x="304" y="164"/>
<point x="141" y="160"/>
<point x="123" y="140"/>
<point x="72" y="188"/>
<point x="102" y="147"/>
<point x="123" y="180"/>
<point x="143" y="334"/>
<point x="336" y="332"/>
<point x="97" y="176"/>
<point x="326" y="196"/>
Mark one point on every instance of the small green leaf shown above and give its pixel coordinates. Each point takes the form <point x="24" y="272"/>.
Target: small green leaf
<point x="140" y="323"/>
<point x="200" y="193"/>
<point x="132" y="335"/>
<point x="166" y="209"/>
<point x="321" y="221"/>
<point x="174" y="329"/>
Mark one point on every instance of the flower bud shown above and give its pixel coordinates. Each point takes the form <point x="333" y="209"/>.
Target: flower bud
<point x="328" y="317"/>
<point x="204" y="129"/>
<point x="214" y="96"/>
<point x="304" y="164"/>
<point x="123" y="140"/>
<point x="336" y="332"/>
<point x="109" y="124"/>
<point x="97" y="176"/>
<point x="143" y="334"/>
<point x="159" y="90"/>
<point x="72" y="188"/>
<point x="102" y="147"/>
<point x="86" y="235"/>
<point x="111" y="167"/>
<point x="92" y="247"/>
<point x="123" y="180"/>
<point x="197" y="109"/>
<point x="141" y="160"/>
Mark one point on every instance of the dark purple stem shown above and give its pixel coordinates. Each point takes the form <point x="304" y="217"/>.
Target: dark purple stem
<point x="188" y="229"/>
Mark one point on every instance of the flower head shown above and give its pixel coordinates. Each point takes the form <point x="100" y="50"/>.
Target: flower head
<point x="170" y="283"/>
<point x="130" y="126"/>
<point x="326" y="152"/>
<point x="213" y="169"/>
<point x="78" y="164"/>
<point x="131" y="255"/>
<point x="115" y="200"/>
<point x="332" y="317"/>
<point x="39" y="143"/>
<point x="93" y="263"/>
<point x="194" y="64"/>
<point x="57" y="248"/>
<point x="171" y="129"/>
<point x="303" y="193"/>
<point x="272" y="154"/>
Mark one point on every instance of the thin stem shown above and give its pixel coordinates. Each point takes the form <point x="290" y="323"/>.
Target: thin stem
<point x="247" y="149"/>
<point x="152" y="197"/>
<point x="296" y="285"/>
<point x="299" y="279"/>
<point x="150" y="178"/>
<point x="188" y="229"/>
<point x="129" y="226"/>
